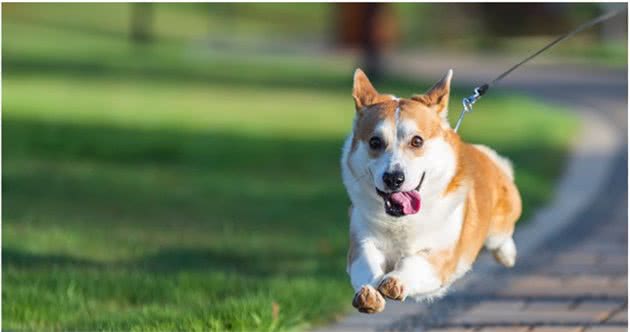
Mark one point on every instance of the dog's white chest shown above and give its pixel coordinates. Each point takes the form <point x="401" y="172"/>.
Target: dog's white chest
<point x="432" y="229"/>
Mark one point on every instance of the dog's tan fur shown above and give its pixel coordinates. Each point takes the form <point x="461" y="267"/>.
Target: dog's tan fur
<point x="492" y="201"/>
<point x="493" y="205"/>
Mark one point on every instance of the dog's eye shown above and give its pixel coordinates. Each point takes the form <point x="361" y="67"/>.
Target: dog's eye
<point x="375" y="143"/>
<point x="417" y="141"/>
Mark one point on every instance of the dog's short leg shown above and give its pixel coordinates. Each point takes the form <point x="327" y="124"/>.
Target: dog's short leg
<point x="366" y="271"/>
<point x="503" y="249"/>
<point x="413" y="275"/>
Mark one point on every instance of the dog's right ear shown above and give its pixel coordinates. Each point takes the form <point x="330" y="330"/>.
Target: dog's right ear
<point x="363" y="92"/>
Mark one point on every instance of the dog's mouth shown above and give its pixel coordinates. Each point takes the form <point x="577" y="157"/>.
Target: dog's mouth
<point x="402" y="203"/>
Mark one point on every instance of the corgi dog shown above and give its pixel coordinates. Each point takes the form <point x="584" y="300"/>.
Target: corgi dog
<point x="424" y="202"/>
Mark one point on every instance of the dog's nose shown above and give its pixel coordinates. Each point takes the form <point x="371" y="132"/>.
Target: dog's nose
<point x="394" y="179"/>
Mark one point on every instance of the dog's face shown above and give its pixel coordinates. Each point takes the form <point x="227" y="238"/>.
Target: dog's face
<point x="396" y="142"/>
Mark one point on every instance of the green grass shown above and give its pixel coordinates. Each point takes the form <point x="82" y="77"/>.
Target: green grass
<point x="164" y="188"/>
<point x="183" y="22"/>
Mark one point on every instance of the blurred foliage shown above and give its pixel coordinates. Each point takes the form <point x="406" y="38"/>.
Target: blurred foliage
<point x="290" y="27"/>
<point x="182" y="186"/>
<point x="462" y="27"/>
<point x="184" y="22"/>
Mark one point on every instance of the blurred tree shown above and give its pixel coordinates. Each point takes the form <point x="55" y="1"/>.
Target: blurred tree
<point x="141" y="22"/>
<point x="507" y="19"/>
<point x="369" y="26"/>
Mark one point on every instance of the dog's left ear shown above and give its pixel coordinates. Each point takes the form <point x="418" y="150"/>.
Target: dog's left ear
<point x="437" y="96"/>
<point x="363" y="91"/>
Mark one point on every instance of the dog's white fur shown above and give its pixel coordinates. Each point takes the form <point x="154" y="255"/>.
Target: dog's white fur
<point x="388" y="243"/>
<point x="419" y="255"/>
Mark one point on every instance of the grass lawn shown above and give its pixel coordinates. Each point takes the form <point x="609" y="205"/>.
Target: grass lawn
<point x="163" y="188"/>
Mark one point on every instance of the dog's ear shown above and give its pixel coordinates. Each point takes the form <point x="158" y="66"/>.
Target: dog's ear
<point x="437" y="96"/>
<point x="363" y="92"/>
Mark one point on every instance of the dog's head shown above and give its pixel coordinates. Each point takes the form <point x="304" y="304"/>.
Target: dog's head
<point x="400" y="145"/>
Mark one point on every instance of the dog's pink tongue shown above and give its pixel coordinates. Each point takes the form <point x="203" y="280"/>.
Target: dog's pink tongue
<point x="409" y="200"/>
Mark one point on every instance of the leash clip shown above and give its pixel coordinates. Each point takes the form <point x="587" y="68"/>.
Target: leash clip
<point x="468" y="103"/>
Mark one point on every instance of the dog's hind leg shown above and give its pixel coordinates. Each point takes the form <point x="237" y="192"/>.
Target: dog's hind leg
<point x="503" y="249"/>
<point x="506" y="212"/>
<point x="499" y="239"/>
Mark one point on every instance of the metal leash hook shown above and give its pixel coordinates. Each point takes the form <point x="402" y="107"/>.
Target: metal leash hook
<point x="468" y="103"/>
<point x="481" y="90"/>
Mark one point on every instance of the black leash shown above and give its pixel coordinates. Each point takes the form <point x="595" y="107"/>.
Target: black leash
<point x="482" y="89"/>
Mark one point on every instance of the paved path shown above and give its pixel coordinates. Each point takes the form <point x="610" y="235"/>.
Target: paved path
<point x="572" y="271"/>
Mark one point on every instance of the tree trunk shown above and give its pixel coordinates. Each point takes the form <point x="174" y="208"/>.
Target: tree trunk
<point x="371" y="27"/>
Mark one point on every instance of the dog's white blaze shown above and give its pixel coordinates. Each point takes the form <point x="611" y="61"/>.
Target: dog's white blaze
<point x="411" y="166"/>
<point x="386" y="130"/>
<point x="384" y="163"/>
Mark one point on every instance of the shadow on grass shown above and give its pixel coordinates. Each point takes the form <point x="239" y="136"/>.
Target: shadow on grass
<point x="265" y="264"/>
<point x="156" y="175"/>
<point x="209" y="150"/>
<point x="21" y="259"/>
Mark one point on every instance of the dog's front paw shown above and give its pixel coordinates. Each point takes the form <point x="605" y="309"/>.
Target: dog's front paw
<point x="392" y="288"/>
<point x="368" y="300"/>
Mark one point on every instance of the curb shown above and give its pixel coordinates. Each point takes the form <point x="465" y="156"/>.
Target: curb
<point x="587" y="168"/>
